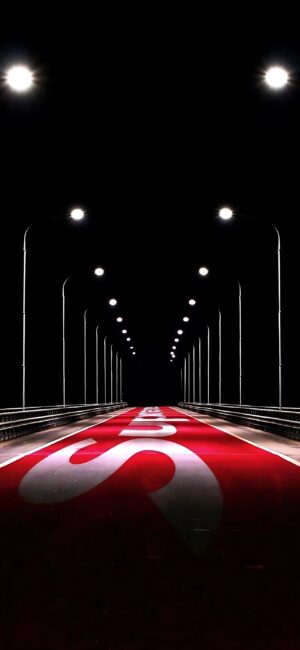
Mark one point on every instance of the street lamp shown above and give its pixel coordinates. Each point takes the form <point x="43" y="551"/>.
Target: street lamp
<point x="186" y="319"/>
<point x="112" y="302"/>
<point x="99" y="271"/>
<point x="278" y="299"/>
<point x="276" y="77"/>
<point x="64" y="336"/>
<point x="19" y="78"/>
<point x="24" y="301"/>
<point x="240" y="340"/>
<point x="192" y="302"/>
<point x="203" y="271"/>
<point x="77" y="214"/>
<point x="97" y="364"/>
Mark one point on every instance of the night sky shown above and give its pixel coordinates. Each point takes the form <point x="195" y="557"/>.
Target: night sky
<point x="150" y="121"/>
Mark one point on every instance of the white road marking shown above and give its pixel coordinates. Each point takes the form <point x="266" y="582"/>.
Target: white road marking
<point x="193" y="494"/>
<point x="52" y="442"/>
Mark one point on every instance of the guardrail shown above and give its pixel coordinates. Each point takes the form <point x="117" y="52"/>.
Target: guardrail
<point x="18" y="422"/>
<point x="285" y="422"/>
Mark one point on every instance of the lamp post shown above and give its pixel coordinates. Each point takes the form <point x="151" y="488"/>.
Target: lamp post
<point x="226" y="214"/>
<point x="203" y="271"/>
<point x="208" y="364"/>
<point x="84" y="354"/>
<point x="189" y="376"/>
<point x="111" y="373"/>
<point x="121" y="380"/>
<point x="200" y="370"/>
<point x="117" y="376"/>
<point x="220" y="357"/>
<point x="97" y="364"/>
<point x="98" y="272"/>
<point x="104" y="368"/>
<point x="184" y="379"/>
<point x="240" y="343"/>
<point x="194" y="374"/>
<point x="77" y="215"/>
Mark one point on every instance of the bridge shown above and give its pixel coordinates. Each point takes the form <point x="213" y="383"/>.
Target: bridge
<point x="149" y="332"/>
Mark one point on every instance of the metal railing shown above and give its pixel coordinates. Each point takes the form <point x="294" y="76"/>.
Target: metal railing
<point x="285" y="422"/>
<point x="18" y="422"/>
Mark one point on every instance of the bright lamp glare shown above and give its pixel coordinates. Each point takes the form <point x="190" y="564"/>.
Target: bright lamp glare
<point x="192" y="302"/>
<point x="131" y="347"/>
<point x="186" y="319"/>
<point x="124" y="331"/>
<point x="203" y="271"/>
<point x="19" y="78"/>
<point x="134" y="353"/>
<point x="119" y="319"/>
<point x="179" y="332"/>
<point x="276" y="77"/>
<point x="99" y="271"/>
<point x="176" y="340"/>
<point x="113" y="302"/>
<point x="226" y="214"/>
<point x="173" y="347"/>
<point x="128" y="338"/>
<point x="77" y="214"/>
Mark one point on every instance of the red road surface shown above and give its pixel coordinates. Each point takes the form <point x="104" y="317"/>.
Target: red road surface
<point x="150" y="534"/>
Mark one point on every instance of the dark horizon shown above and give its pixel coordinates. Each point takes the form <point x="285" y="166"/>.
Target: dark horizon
<point x="150" y="138"/>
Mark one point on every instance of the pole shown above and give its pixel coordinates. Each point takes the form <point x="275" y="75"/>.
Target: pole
<point x="279" y="319"/>
<point x="121" y="380"/>
<point x="97" y="364"/>
<point x="194" y="376"/>
<point x="208" y="360"/>
<point x="111" y="373"/>
<point x="24" y="319"/>
<point x="64" y="339"/>
<point x="117" y="376"/>
<point x="200" y="370"/>
<point x="84" y="355"/>
<point x="104" y="367"/>
<point x="240" y="344"/>
<point x="220" y="358"/>
<point x="279" y="306"/>
<point x="189" y="377"/>
<point x="184" y="379"/>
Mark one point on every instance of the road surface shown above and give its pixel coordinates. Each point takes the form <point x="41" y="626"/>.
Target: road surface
<point x="152" y="529"/>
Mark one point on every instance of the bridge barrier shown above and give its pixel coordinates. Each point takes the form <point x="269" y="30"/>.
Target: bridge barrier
<point x="18" y="422"/>
<point x="285" y="422"/>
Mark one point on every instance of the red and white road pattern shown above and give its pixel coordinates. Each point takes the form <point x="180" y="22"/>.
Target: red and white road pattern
<point x="149" y="530"/>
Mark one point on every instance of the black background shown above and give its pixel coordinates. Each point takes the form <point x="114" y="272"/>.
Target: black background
<point x="150" y="121"/>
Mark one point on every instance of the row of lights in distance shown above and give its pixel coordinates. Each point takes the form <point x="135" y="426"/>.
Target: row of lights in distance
<point x="113" y="302"/>
<point x="78" y="214"/>
<point x="185" y="319"/>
